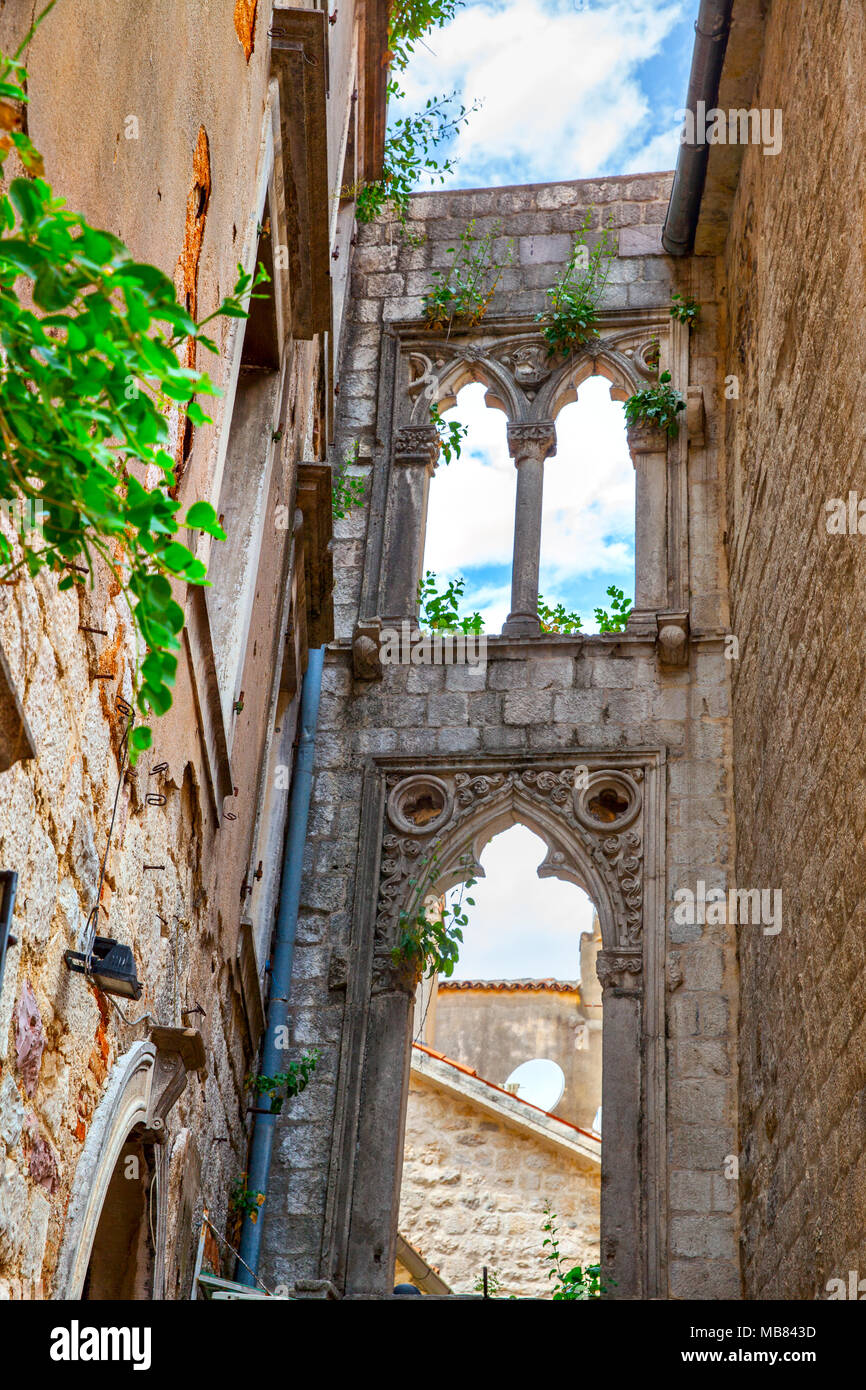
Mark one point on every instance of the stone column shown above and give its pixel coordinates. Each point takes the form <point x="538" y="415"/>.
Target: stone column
<point x="529" y="445"/>
<point x="381" y="1130"/>
<point x="622" y="1236"/>
<point x="648" y="447"/>
<point x="416" y="450"/>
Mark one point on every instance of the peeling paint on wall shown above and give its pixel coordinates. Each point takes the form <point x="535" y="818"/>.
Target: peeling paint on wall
<point x="245" y="25"/>
<point x="186" y="279"/>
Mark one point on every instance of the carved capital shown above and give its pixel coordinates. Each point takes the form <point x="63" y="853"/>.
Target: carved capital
<point x="417" y="444"/>
<point x="619" y="970"/>
<point x="536" y="440"/>
<point x="394" y="977"/>
<point x="646" y="439"/>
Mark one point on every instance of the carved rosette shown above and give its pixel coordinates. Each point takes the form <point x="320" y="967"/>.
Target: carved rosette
<point x="425" y="813"/>
<point x="417" y="444"/>
<point x="536" y="440"/>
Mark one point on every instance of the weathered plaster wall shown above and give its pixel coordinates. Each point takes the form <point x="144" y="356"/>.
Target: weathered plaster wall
<point x="537" y="694"/>
<point x="474" y="1191"/>
<point x="792" y="280"/>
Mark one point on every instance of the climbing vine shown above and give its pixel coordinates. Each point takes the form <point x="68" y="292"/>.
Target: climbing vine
<point x="431" y="929"/>
<point x="581" y="1281"/>
<point x="88" y="370"/>
<point x="412" y="142"/>
<point x="451" y="434"/>
<point x="285" y="1085"/>
<point x="571" y="316"/>
<point x="465" y="289"/>
<point x="620" y="608"/>
<point x="348" y="490"/>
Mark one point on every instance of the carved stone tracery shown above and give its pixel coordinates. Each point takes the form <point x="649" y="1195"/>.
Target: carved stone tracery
<point x="467" y="808"/>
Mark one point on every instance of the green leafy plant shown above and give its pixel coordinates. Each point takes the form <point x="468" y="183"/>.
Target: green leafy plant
<point x="494" y="1284"/>
<point x="88" y="369"/>
<point x="579" y="1282"/>
<point x="620" y="607"/>
<point x="411" y="21"/>
<point x="412" y="142"/>
<point x="571" y="316"/>
<point x="411" y="145"/>
<point x="557" y="620"/>
<point x="657" y="405"/>
<point x="244" y="1200"/>
<point x="431" y="928"/>
<point x="440" y="612"/>
<point x="685" y="310"/>
<point x="348" y="491"/>
<point x="284" y="1085"/>
<point x="451" y="434"/>
<point x="465" y="289"/>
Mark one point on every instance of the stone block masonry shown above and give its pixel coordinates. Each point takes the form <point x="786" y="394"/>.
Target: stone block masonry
<point x="537" y="696"/>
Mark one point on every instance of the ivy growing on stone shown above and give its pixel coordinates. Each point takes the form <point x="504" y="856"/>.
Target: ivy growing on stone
<point x="88" y="370"/>
<point x="581" y="1282"/>
<point x="571" y="316"/>
<point x="451" y="434"/>
<point x="431" y="928"/>
<point x="412" y="142"/>
<point x="285" y="1085"/>
<point x="348" y="491"/>
<point x="657" y="405"/>
<point x="685" y="310"/>
<point x="620" y="607"/>
<point x="464" y="290"/>
<point x="557" y="620"/>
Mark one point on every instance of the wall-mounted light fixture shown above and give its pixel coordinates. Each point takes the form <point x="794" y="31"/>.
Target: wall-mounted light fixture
<point x="8" y="889"/>
<point x="110" y="966"/>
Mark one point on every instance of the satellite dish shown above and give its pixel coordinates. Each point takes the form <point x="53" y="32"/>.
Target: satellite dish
<point x="541" y="1082"/>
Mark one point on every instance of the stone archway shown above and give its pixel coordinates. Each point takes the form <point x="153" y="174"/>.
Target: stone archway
<point x="142" y="1087"/>
<point x="601" y="817"/>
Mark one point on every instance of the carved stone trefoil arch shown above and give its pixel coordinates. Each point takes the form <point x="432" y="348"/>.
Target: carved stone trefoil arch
<point x="601" y="817"/>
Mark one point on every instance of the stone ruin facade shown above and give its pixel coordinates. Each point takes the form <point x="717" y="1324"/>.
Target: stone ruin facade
<point x="645" y="712"/>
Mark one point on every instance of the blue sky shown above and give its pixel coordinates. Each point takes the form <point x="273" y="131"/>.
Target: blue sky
<point x="569" y="88"/>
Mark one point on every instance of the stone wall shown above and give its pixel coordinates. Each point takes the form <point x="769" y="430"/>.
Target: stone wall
<point x="536" y="695"/>
<point x="474" y="1190"/>
<point x="792" y="283"/>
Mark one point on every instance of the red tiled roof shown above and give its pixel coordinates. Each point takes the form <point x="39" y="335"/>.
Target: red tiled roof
<point x="470" y="1071"/>
<point x="505" y="986"/>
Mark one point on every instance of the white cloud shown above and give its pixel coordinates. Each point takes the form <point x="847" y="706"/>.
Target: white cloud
<point x="561" y="88"/>
<point x="522" y="926"/>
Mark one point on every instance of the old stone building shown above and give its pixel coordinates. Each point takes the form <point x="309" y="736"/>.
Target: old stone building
<point x="674" y="770"/>
<point x="192" y="839"/>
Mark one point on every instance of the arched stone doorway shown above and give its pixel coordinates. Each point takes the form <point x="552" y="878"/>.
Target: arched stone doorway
<point x="115" y="1230"/>
<point x="600" y="816"/>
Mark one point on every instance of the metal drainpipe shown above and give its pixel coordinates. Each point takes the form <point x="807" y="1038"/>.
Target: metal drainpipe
<point x="283" y="951"/>
<point x="712" y="28"/>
